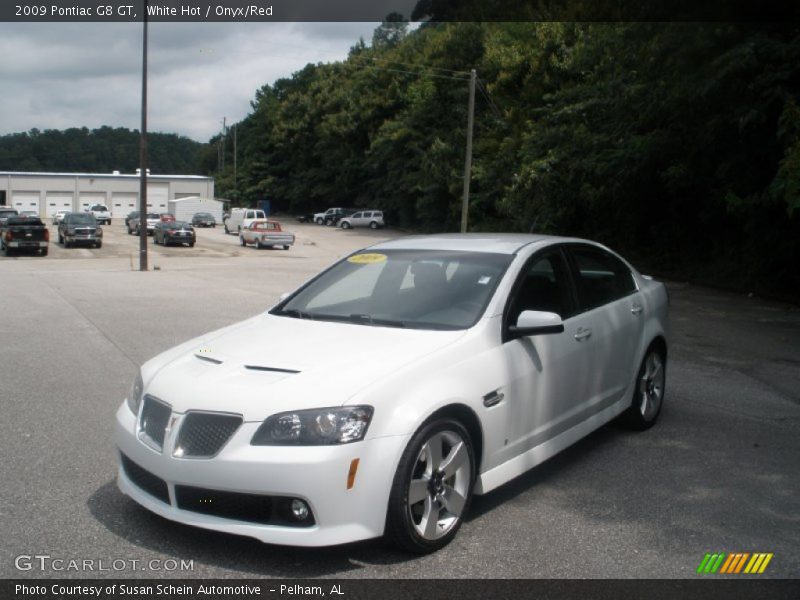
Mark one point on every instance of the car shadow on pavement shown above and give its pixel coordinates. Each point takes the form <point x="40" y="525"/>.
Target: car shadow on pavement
<point x="137" y="526"/>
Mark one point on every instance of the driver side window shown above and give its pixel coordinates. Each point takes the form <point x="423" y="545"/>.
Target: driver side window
<point x="543" y="285"/>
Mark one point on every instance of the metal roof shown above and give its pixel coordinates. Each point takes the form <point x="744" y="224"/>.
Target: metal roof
<point x="99" y="175"/>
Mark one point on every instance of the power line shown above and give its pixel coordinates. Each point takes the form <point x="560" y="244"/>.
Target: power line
<point x="418" y="73"/>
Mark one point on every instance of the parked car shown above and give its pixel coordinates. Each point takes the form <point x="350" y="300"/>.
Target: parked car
<point x="266" y="234"/>
<point x="241" y="218"/>
<point x="204" y="219"/>
<point x="22" y="233"/>
<point x="80" y="228"/>
<point x="173" y="232"/>
<point x="167" y="217"/>
<point x="151" y="220"/>
<point x="365" y="218"/>
<point x="451" y="365"/>
<point x="59" y="216"/>
<point x="134" y="214"/>
<point x="101" y="213"/>
<point x="332" y="215"/>
<point x="29" y="214"/>
<point x="5" y="213"/>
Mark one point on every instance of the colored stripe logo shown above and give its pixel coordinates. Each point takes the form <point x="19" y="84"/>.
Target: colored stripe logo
<point x="735" y="563"/>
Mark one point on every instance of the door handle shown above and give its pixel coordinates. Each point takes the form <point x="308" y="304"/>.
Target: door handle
<point x="637" y="309"/>
<point x="583" y="334"/>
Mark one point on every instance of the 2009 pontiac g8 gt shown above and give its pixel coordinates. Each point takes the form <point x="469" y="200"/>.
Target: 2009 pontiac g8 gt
<point x="383" y="393"/>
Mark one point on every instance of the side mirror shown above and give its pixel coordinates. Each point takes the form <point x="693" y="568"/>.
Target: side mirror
<point x="285" y="295"/>
<point x="534" y="322"/>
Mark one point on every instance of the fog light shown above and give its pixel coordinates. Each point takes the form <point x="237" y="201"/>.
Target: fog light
<point x="299" y="509"/>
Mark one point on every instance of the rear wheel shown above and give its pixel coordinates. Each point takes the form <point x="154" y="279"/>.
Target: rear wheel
<point x="44" y="251"/>
<point x="648" y="393"/>
<point x="432" y="487"/>
<point x="373" y="225"/>
<point x="286" y="247"/>
<point x="241" y="241"/>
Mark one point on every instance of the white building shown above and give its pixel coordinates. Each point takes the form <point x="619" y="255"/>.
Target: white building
<point x="48" y="193"/>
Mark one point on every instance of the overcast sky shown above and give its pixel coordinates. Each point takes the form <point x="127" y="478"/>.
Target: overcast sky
<point x="60" y="75"/>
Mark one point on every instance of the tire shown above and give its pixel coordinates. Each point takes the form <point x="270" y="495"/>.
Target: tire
<point x="66" y="242"/>
<point x="242" y="242"/>
<point x="319" y="221"/>
<point x="191" y="244"/>
<point x="346" y="225"/>
<point x="225" y="225"/>
<point x="426" y="506"/>
<point x="44" y="251"/>
<point x="60" y="239"/>
<point x="8" y="251"/>
<point x="648" y="393"/>
<point x="286" y="247"/>
<point x="98" y="245"/>
<point x="373" y="225"/>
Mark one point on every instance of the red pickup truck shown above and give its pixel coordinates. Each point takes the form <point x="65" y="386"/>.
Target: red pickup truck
<point x="24" y="233"/>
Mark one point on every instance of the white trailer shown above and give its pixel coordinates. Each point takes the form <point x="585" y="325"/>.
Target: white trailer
<point x="185" y="208"/>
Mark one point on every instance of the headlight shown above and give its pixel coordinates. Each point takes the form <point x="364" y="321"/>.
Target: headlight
<point x="134" y="398"/>
<point x="317" y="427"/>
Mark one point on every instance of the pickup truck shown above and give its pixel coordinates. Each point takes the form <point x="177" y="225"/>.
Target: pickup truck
<point x="24" y="233"/>
<point x="265" y="234"/>
<point x="101" y="214"/>
<point x="332" y="215"/>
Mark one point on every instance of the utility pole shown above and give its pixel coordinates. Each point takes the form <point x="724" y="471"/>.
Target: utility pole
<point x="468" y="159"/>
<point x="224" y="135"/>
<point x="235" y="187"/>
<point x="143" y="153"/>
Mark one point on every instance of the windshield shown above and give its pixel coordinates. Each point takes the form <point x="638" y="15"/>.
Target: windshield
<point x="402" y="288"/>
<point x="80" y="219"/>
<point x="153" y="216"/>
<point x="204" y="216"/>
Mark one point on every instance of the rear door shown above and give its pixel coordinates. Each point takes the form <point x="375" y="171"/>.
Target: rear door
<point x="609" y="297"/>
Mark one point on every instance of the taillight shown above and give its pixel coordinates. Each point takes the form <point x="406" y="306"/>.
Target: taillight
<point x="8" y="236"/>
<point x="46" y="235"/>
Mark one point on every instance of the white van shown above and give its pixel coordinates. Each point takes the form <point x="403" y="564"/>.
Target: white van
<point x="241" y="218"/>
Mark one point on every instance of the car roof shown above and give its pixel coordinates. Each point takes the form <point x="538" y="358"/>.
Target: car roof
<point x="496" y="243"/>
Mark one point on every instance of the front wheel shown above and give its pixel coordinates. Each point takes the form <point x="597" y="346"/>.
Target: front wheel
<point x="648" y="393"/>
<point x="241" y="241"/>
<point x="432" y="487"/>
<point x="345" y="225"/>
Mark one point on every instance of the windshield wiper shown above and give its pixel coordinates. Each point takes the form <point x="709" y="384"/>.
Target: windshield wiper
<point x="295" y="313"/>
<point x="369" y="319"/>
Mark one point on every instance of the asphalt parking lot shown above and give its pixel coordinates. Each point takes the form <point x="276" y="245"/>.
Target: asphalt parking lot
<point x="720" y="471"/>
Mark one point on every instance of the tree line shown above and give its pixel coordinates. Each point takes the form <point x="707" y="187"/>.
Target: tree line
<point x="101" y="150"/>
<point x="676" y="143"/>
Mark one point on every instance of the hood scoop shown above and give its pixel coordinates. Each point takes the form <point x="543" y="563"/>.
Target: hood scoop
<point x="207" y="358"/>
<point x="271" y="369"/>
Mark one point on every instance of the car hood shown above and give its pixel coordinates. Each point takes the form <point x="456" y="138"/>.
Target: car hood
<point x="270" y="364"/>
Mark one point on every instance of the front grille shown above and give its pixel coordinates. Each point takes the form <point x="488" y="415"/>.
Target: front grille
<point x="203" y="435"/>
<point x="154" y="419"/>
<point x="144" y="479"/>
<point x="252" y="508"/>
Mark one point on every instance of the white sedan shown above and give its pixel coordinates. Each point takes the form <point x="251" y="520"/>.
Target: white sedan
<point x="382" y="394"/>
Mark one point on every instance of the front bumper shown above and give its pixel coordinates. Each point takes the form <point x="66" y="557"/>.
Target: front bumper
<point x="315" y="474"/>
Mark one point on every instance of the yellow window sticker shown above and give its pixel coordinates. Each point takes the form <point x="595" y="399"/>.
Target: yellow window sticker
<point x="367" y="259"/>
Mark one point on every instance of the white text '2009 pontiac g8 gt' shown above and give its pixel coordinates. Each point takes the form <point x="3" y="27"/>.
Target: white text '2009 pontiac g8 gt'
<point x="386" y="391"/>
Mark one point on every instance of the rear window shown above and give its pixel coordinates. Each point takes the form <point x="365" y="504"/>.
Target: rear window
<point x="15" y="220"/>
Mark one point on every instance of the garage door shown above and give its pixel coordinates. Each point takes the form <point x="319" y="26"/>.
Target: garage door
<point x="157" y="197"/>
<point x="56" y="201"/>
<point x="123" y="203"/>
<point x="25" y="201"/>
